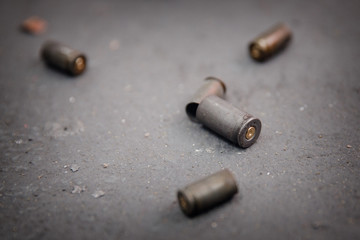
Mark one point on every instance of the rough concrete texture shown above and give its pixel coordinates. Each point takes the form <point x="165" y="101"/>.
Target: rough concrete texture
<point x="301" y="180"/>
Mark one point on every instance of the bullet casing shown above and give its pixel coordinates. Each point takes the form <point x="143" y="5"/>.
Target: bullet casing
<point x="63" y="57"/>
<point x="212" y="86"/>
<point x="228" y="121"/>
<point x="270" y="42"/>
<point x="207" y="193"/>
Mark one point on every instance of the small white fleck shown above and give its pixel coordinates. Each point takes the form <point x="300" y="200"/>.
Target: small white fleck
<point x="278" y="132"/>
<point x="123" y="121"/>
<point x="209" y="150"/>
<point x="66" y="172"/>
<point x="214" y="225"/>
<point x="105" y="165"/>
<point x="239" y="153"/>
<point x="19" y="141"/>
<point x="302" y="108"/>
<point x="72" y="99"/>
<point x="268" y="173"/>
<point x="198" y="150"/>
<point x="147" y="134"/>
<point x="78" y="189"/>
<point x="98" y="193"/>
<point x="74" y="167"/>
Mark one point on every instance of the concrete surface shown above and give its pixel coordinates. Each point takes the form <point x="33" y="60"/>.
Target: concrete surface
<point x="301" y="180"/>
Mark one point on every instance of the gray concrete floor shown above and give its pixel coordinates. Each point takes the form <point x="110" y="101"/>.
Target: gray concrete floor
<point x="146" y="58"/>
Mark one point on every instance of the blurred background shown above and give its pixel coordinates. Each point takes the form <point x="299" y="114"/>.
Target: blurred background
<point x="101" y="155"/>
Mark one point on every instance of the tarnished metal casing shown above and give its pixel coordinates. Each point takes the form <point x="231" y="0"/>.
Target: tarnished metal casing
<point x="212" y="86"/>
<point x="207" y="193"/>
<point x="228" y="121"/>
<point x="270" y="42"/>
<point x="63" y="57"/>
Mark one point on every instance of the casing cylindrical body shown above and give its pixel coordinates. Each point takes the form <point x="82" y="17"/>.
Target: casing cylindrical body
<point x="63" y="57"/>
<point x="228" y="121"/>
<point x="212" y="86"/>
<point x="207" y="193"/>
<point x="270" y="42"/>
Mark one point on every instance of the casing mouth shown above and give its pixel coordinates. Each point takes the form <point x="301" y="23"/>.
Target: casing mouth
<point x="78" y="65"/>
<point x="257" y="52"/>
<point x="191" y="110"/>
<point x="186" y="205"/>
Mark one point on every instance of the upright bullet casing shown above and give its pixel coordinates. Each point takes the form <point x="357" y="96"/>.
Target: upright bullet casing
<point x="212" y="86"/>
<point x="270" y="42"/>
<point x="228" y="121"/>
<point x="63" y="57"/>
<point x="207" y="193"/>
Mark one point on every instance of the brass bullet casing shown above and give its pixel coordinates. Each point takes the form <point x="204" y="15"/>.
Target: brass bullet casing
<point x="34" y="25"/>
<point x="63" y="57"/>
<point x="212" y="86"/>
<point x="270" y="42"/>
<point x="207" y="193"/>
<point x="226" y="120"/>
